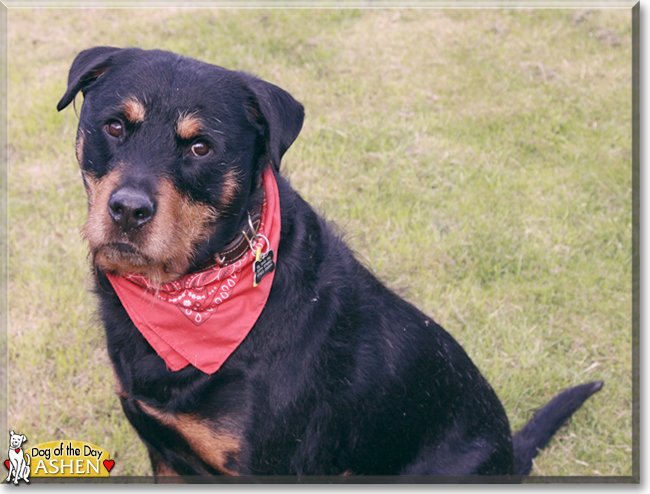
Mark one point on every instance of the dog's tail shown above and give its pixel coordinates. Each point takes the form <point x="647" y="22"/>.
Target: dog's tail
<point x="538" y="432"/>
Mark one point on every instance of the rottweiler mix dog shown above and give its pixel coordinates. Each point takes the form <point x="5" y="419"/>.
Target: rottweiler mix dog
<point x="245" y="337"/>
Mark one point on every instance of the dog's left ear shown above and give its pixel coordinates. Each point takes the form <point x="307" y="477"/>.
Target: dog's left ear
<point x="281" y="114"/>
<point x="86" y="68"/>
<point x="24" y="438"/>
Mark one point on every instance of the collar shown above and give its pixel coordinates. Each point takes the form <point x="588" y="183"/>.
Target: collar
<point x="236" y="249"/>
<point x="201" y="318"/>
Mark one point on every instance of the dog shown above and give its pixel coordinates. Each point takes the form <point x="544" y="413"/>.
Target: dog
<point x="19" y="461"/>
<point x="245" y="337"/>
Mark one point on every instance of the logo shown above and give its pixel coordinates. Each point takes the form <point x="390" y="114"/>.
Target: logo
<point x="18" y="462"/>
<point x="56" y="459"/>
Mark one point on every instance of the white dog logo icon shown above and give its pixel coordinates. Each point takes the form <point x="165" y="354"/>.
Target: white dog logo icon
<point x="18" y="459"/>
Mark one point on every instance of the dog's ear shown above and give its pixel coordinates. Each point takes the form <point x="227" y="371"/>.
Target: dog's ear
<point x="24" y="438"/>
<point x="86" y="68"/>
<point x="281" y="115"/>
<point x="11" y="433"/>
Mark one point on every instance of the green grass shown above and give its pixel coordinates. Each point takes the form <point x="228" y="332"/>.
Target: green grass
<point x="479" y="161"/>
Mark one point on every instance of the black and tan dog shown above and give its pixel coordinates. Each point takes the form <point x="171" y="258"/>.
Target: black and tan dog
<point x="260" y="347"/>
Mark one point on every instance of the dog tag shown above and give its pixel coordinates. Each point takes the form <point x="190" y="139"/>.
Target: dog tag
<point x="263" y="266"/>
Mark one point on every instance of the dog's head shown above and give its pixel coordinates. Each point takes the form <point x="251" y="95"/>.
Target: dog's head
<point x="172" y="152"/>
<point x="16" y="440"/>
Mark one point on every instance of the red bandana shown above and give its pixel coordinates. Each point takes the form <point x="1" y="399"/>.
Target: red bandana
<point x="202" y="318"/>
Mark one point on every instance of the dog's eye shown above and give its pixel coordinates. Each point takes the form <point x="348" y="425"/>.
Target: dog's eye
<point x="115" y="128"/>
<point x="200" y="148"/>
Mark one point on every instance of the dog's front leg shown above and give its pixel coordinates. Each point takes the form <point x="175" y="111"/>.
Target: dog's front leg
<point x="11" y="469"/>
<point x="18" y="473"/>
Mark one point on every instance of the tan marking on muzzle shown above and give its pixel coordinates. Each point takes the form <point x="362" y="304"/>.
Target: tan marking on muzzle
<point x="134" y="110"/>
<point x="179" y="225"/>
<point x="188" y="125"/>
<point x="98" y="227"/>
<point x="213" y="443"/>
<point x="164" y="246"/>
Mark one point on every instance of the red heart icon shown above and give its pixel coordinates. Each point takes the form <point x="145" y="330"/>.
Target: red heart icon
<point x="7" y="463"/>
<point x="107" y="463"/>
<point x="17" y="450"/>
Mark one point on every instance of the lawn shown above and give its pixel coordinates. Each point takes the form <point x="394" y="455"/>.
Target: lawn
<point x="479" y="161"/>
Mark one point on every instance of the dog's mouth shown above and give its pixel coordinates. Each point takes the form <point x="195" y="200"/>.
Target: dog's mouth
<point x="123" y="248"/>
<point x="120" y="257"/>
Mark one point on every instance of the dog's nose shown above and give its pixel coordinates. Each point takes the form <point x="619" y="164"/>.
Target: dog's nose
<point x="130" y="208"/>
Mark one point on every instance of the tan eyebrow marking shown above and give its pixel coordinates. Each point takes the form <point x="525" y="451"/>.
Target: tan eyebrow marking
<point x="134" y="110"/>
<point x="188" y="125"/>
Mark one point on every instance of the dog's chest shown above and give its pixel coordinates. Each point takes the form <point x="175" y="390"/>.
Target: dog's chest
<point x="13" y="454"/>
